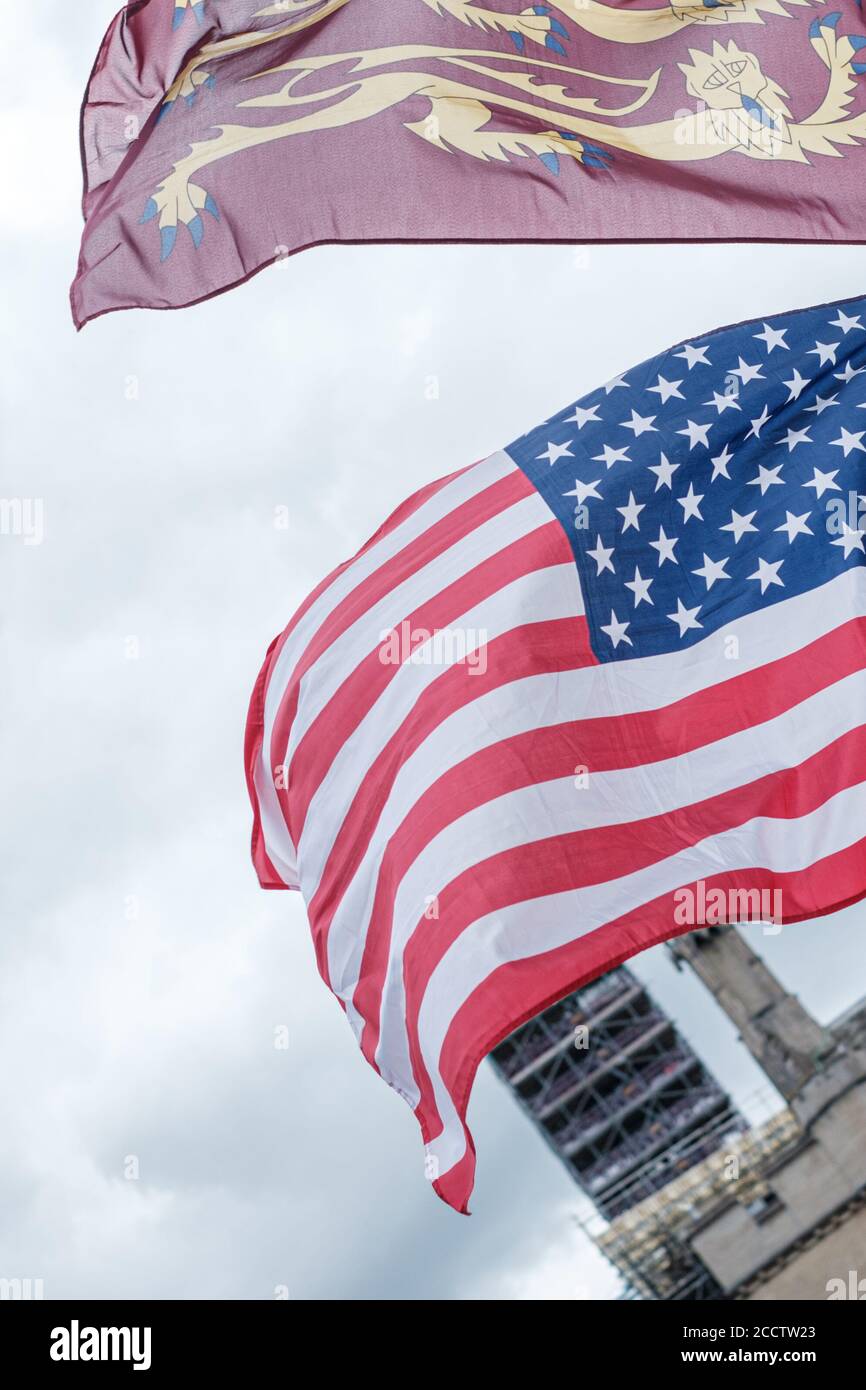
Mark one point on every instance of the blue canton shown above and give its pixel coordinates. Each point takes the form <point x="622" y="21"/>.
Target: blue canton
<point x="716" y="479"/>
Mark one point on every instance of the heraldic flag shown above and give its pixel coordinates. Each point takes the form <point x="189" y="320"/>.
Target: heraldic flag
<point x="605" y="685"/>
<point x="221" y="135"/>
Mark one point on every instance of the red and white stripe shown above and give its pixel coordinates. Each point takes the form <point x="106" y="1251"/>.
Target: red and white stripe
<point x="411" y="783"/>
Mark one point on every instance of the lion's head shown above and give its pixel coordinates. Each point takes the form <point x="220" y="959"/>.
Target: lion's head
<point x="728" y="79"/>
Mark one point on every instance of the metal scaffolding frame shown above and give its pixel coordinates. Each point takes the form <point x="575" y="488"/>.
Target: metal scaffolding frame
<point x="647" y="1132"/>
<point x="616" y="1091"/>
<point x="650" y="1244"/>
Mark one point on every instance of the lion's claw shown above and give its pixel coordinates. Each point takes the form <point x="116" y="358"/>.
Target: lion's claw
<point x="593" y="156"/>
<point x="174" y="203"/>
<point x="536" y="24"/>
<point x="180" y="10"/>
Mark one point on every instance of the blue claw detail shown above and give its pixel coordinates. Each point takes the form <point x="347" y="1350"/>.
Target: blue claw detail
<point x="180" y="13"/>
<point x="592" y="155"/>
<point x="596" y="157"/>
<point x="210" y="82"/>
<point x="190" y="98"/>
<point x="553" y="44"/>
<point x="856" y="42"/>
<point x="551" y="161"/>
<point x="150" y="211"/>
<point x="517" y="40"/>
<point x="559" y="28"/>
<point x="211" y="207"/>
<point x="858" y="67"/>
<point x="167" y="238"/>
<point x="541" y="9"/>
<point x="196" y="230"/>
<point x="163" y="111"/>
<point x="827" y="21"/>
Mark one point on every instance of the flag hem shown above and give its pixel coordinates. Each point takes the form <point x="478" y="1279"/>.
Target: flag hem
<point x="80" y="321"/>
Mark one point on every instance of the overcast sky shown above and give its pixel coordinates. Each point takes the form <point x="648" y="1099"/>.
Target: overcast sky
<point x="143" y="972"/>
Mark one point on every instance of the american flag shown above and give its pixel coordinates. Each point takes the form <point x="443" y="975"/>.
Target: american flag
<point x="621" y="659"/>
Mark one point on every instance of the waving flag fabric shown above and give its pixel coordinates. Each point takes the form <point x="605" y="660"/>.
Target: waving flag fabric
<point x="221" y="135"/>
<point x="616" y="668"/>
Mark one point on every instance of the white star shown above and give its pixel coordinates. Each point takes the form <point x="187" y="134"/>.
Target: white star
<point x="740" y="524"/>
<point x="664" y="472"/>
<point x="795" y="437"/>
<point x="822" y="481"/>
<point x="685" y="617"/>
<point x="745" y="371"/>
<point x="826" y="352"/>
<point x="610" y="456"/>
<point x="691" y="503"/>
<point x="584" y="490"/>
<point x="849" y="373"/>
<point x="639" y="587"/>
<point x="822" y="403"/>
<point x="697" y="433"/>
<point x="723" y="402"/>
<point x="848" y="441"/>
<point x="795" y="526"/>
<point x="693" y="355"/>
<point x="846" y="323"/>
<point x="602" y="555"/>
<point x="630" y="513"/>
<point x="720" y="465"/>
<point x="616" y="630"/>
<point x="666" y="389"/>
<point x="768" y="573"/>
<point x="614" y="383"/>
<point x="758" y="425"/>
<point x="665" y="547"/>
<point x="711" y="570"/>
<point x="850" y="539"/>
<point x="796" y="385"/>
<point x="773" y="337"/>
<point x="554" y="452"/>
<point x="582" y="415"/>
<point x="767" y="477"/>
<point x="641" y="424"/>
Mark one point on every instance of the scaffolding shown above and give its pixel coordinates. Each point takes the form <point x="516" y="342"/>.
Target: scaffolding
<point x="616" y="1091"/>
<point x="649" y="1135"/>
<point x="650" y="1244"/>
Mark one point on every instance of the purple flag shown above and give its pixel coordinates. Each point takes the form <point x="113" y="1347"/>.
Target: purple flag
<point x="219" y="136"/>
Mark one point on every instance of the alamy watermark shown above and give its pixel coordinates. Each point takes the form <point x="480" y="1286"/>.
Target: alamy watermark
<point x="441" y="646"/>
<point x="851" y="1288"/>
<point x="21" y="1290"/>
<point x="700" y="906"/>
<point x="23" y="517"/>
